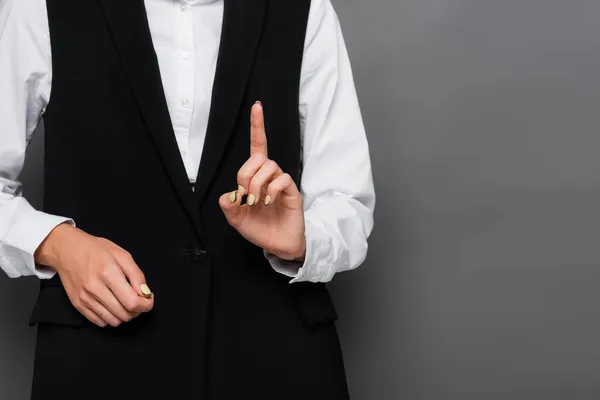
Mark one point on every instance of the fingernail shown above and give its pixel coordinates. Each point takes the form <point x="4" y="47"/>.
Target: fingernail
<point x="233" y="197"/>
<point x="241" y="190"/>
<point x="267" y="200"/>
<point x="251" y="200"/>
<point x="145" y="290"/>
<point x="258" y="102"/>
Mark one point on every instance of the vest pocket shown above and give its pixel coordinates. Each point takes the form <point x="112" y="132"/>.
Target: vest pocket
<point x="53" y="307"/>
<point x="314" y="302"/>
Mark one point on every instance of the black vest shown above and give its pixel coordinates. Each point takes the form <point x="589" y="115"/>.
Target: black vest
<point x="225" y="324"/>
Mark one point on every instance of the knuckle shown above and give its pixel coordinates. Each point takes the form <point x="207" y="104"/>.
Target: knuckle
<point x="115" y="323"/>
<point x="276" y="186"/>
<point x="77" y="303"/>
<point x="84" y="300"/>
<point x="105" y="271"/>
<point x="259" y="157"/>
<point x="244" y="175"/>
<point x="90" y="287"/>
<point x="255" y="185"/>
<point x="270" y="164"/>
<point x="103" y="240"/>
<point x="132" y="305"/>
<point x="125" y="255"/>
<point x="286" y="179"/>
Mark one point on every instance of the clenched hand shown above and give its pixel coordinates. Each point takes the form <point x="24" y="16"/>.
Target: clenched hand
<point x="101" y="279"/>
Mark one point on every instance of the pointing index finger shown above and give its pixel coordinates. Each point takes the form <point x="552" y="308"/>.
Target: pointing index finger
<point x="258" y="136"/>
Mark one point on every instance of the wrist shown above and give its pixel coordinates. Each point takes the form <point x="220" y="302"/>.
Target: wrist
<point x="49" y="251"/>
<point x="298" y="255"/>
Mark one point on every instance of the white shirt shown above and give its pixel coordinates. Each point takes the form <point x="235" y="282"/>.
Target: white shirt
<point x="338" y="203"/>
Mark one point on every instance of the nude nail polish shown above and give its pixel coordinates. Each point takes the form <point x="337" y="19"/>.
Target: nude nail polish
<point x="251" y="200"/>
<point x="241" y="190"/>
<point x="145" y="290"/>
<point x="233" y="197"/>
<point x="267" y="200"/>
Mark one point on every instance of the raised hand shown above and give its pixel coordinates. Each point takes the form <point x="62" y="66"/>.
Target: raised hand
<point x="272" y="217"/>
<point x="101" y="279"/>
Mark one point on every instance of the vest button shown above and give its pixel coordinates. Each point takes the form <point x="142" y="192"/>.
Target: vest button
<point x="198" y="255"/>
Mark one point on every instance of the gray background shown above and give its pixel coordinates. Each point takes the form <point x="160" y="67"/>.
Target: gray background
<point x="482" y="277"/>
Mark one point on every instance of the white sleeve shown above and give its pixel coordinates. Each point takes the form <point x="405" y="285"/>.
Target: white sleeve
<point x="337" y="183"/>
<point x="25" y="79"/>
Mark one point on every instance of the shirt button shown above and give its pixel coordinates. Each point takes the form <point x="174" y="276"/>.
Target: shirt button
<point x="185" y="55"/>
<point x="198" y="255"/>
<point x="185" y="102"/>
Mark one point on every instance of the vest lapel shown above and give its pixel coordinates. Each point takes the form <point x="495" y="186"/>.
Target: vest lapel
<point x="242" y="28"/>
<point x="128" y="25"/>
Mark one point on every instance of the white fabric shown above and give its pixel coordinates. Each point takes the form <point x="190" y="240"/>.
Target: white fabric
<point x="337" y="184"/>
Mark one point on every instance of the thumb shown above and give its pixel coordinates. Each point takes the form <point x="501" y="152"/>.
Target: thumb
<point x="138" y="283"/>
<point x="231" y="205"/>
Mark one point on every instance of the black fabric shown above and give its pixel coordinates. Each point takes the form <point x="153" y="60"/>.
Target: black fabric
<point x="225" y="325"/>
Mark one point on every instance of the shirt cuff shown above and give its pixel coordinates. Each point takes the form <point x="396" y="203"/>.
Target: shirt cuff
<point x="25" y="236"/>
<point x="318" y="263"/>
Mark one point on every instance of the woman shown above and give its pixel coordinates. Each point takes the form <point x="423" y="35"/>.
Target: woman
<point x="181" y="252"/>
